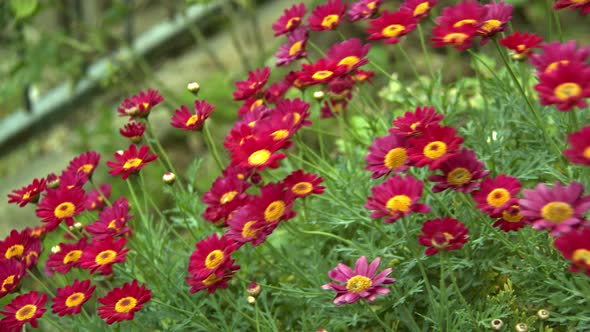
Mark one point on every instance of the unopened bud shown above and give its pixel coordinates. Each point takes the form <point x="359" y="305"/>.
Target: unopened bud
<point x="254" y="289"/>
<point x="543" y="314"/>
<point x="119" y="152"/>
<point x="251" y="299"/>
<point x="256" y="178"/>
<point x="132" y="111"/>
<point x="55" y="249"/>
<point x="77" y="225"/>
<point x="497" y="324"/>
<point x="52" y="181"/>
<point x="193" y="87"/>
<point x="318" y="95"/>
<point x="521" y="327"/>
<point x="169" y="177"/>
<point x="321" y="330"/>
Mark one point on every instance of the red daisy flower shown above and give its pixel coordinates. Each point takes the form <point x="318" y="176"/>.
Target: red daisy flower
<point x="276" y="92"/>
<point x="565" y="87"/>
<point x="258" y="153"/>
<point x="61" y="204"/>
<point x="296" y="109"/>
<point x="210" y="255"/>
<point x="414" y="123"/>
<point x="444" y="234"/>
<point x="362" y="76"/>
<point x="130" y="161"/>
<point x="225" y="195"/>
<point x="21" y="246"/>
<point x="419" y="8"/>
<point x="580" y="147"/>
<point x="85" y="163"/>
<point x="69" y="180"/>
<point x="217" y="279"/>
<point x="386" y="155"/>
<point x="303" y="184"/>
<point x="94" y="200"/>
<point x="278" y="127"/>
<point x="559" y="208"/>
<point x="122" y="303"/>
<point x="27" y="194"/>
<point x="112" y="221"/>
<point x="392" y="26"/>
<point x="496" y="195"/>
<point x="11" y="272"/>
<point x="460" y="173"/>
<point x="274" y="203"/>
<point x="294" y="48"/>
<point x="140" y="105"/>
<point x="575" y="247"/>
<point x="555" y="54"/>
<point x="327" y="16"/>
<point x="66" y="258"/>
<point x="460" y="38"/>
<point x="246" y="225"/>
<point x="323" y="71"/>
<point x="69" y="299"/>
<point x="253" y="85"/>
<point x="363" y="9"/>
<point x="37" y="232"/>
<point x="99" y="256"/>
<point x="495" y="17"/>
<point x="185" y="120"/>
<point x="253" y="107"/>
<point x="362" y="282"/>
<point x="350" y="53"/>
<point x="23" y="309"/>
<point x="396" y="197"/>
<point x="133" y="131"/>
<point x="521" y="44"/>
<point x="465" y="13"/>
<point x="436" y="145"/>
<point x="290" y="20"/>
<point x="582" y="5"/>
<point x="511" y="219"/>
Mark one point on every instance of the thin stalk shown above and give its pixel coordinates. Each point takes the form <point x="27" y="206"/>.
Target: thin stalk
<point x="350" y="243"/>
<point x="410" y="63"/>
<point x="167" y="163"/>
<point x="97" y="188"/>
<point x="443" y="319"/>
<point x="377" y="318"/>
<point x="212" y="147"/>
<point x="142" y="216"/>
<point x="234" y="38"/>
<point x="425" y="51"/>
<point x="257" y="314"/>
<point x="415" y="327"/>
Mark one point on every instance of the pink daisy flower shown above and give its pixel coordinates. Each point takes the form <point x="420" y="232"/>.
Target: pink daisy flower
<point x="396" y="197"/>
<point x="387" y="155"/>
<point x="460" y="173"/>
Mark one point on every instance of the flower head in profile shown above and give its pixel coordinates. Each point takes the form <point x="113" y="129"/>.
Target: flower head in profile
<point x="141" y="104"/>
<point x="582" y="5"/>
<point x="69" y="299"/>
<point x="460" y="173"/>
<point x="390" y="27"/>
<point x="350" y="53"/>
<point x="133" y="131"/>
<point x="186" y="120"/>
<point x="555" y="54"/>
<point x="387" y="155"/>
<point x="567" y="86"/>
<point x="130" y="161"/>
<point x="559" y="209"/>
<point x="363" y="9"/>
<point x="94" y="200"/>
<point x="413" y="123"/>
<point x="510" y="219"/>
<point x="302" y="184"/>
<point x="290" y="20"/>
<point x="361" y="283"/>
<point x="521" y="44"/>
<point x="575" y="247"/>
<point x="496" y="195"/>
<point x="122" y="303"/>
<point x="61" y="205"/>
<point x="442" y="234"/>
<point x="11" y="272"/>
<point x="495" y="17"/>
<point x="85" y="163"/>
<point x="294" y="49"/>
<point x="419" y="8"/>
<point x="396" y="197"/>
<point x="323" y="71"/>
<point x="579" y="153"/>
<point x="27" y="194"/>
<point x="253" y="85"/>
<point x="327" y="16"/>
<point x="23" y="309"/>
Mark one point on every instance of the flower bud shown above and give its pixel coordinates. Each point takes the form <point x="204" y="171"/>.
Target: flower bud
<point x="521" y="327"/>
<point x="52" y="181"/>
<point x="497" y="324"/>
<point x="256" y="178"/>
<point x="193" y="87"/>
<point x="251" y="299"/>
<point x="321" y="330"/>
<point x="77" y="225"/>
<point x="132" y="111"/>
<point x="543" y="314"/>
<point x="55" y="249"/>
<point x="254" y="289"/>
<point x="169" y="177"/>
<point x="318" y="95"/>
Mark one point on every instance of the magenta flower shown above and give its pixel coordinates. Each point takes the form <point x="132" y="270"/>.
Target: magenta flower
<point x="442" y="235"/>
<point x="396" y="197"/>
<point x="360" y="283"/>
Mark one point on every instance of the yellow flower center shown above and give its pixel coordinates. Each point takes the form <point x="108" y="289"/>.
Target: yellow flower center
<point x="15" y="250"/>
<point x="125" y="304"/>
<point x="399" y="203"/>
<point x="228" y="197"/>
<point x="295" y="48"/>
<point x="113" y="224"/>
<point x="421" y="8"/>
<point x="358" y="284"/>
<point x="26" y="312"/>
<point x="489" y="25"/>
<point x="512" y="214"/>
<point x="146" y="106"/>
<point x="105" y="257"/>
<point x="498" y="197"/>
<point x="296" y="117"/>
<point x="581" y="255"/>
<point x="552" y="66"/>
<point x="214" y="259"/>
<point x="455" y="38"/>
<point x="259" y="157"/>
<point x="414" y="125"/>
<point x="349" y="61"/>
<point x="395" y="158"/>
<point x="72" y="256"/>
<point x="586" y="152"/>
<point x="26" y="195"/>
<point x="557" y="211"/>
<point x="64" y="210"/>
<point x="322" y="75"/>
<point x="274" y="211"/>
<point x="8" y="281"/>
<point x="329" y="21"/>
<point x="302" y="188"/>
<point x="393" y="30"/>
<point x="212" y="279"/>
<point x="435" y="150"/>
<point x="255" y="104"/>
<point x="521" y="47"/>
<point x="75" y="299"/>
<point x="465" y="22"/>
<point x="371" y="5"/>
<point x="441" y="241"/>
<point x="565" y="91"/>
<point x="247" y="231"/>
<point x="459" y="176"/>
<point x="292" y="21"/>
<point x="280" y="134"/>
<point x="86" y="168"/>
<point x="192" y="120"/>
<point x="132" y="163"/>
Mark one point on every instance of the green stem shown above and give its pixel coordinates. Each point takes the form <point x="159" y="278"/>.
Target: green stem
<point x="350" y="243"/>
<point x="410" y="62"/>
<point x="212" y="146"/>
<point x="425" y="51"/>
<point x="162" y="153"/>
<point x="415" y="327"/>
<point x="97" y="188"/>
<point x="443" y="319"/>
<point x="377" y="318"/>
<point x="257" y="319"/>
<point x="142" y="216"/>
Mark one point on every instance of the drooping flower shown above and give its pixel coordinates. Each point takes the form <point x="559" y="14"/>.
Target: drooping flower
<point x="290" y="20"/>
<point x="361" y="283"/>
<point x="460" y="173"/>
<point x="565" y="87"/>
<point x="11" y="272"/>
<point x="390" y="27"/>
<point x="323" y="71"/>
<point x="185" y="120"/>
<point x="67" y="257"/>
<point x="442" y="234"/>
<point x="559" y="209"/>
<point x="555" y="54"/>
<point x="94" y="200"/>
<point x="511" y="219"/>
<point x="396" y="197"/>
<point x="122" y="303"/>
<point x="85" y="163"/>
<point x="112" y="221"/>
<point x="582" y="5"/>
<point x="61" y="205"/>
<point x="327" y="16"/>
<point x="414" y="123"/>
<point x="303" y="184"/>
<point x="294" y="49"/>
<point x="69" y="299"/>
<point x="419" y="8"/>
<point x="23" y="309"/>
<point x="253" y="85"/>
<point x="496" y="195"/>
<point x="350" y="53"/>
<point x="579" y="153"/>
<point x="130" y="161"/>
<point x="436" y="145"/>
<point x="133" y="131"/>
<point x="140" y="105"/>
<point x="99" y="256"/>
<point x="521" y="44"/>
<point x="575" y="247"/>
<point x="495" y="17"/>
<point x="27" y="194"/>
<point x="363" y="9"/>
<point x="387" y="155"/>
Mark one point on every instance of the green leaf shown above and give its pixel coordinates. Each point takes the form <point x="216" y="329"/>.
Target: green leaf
<point x="23" y="8"/>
